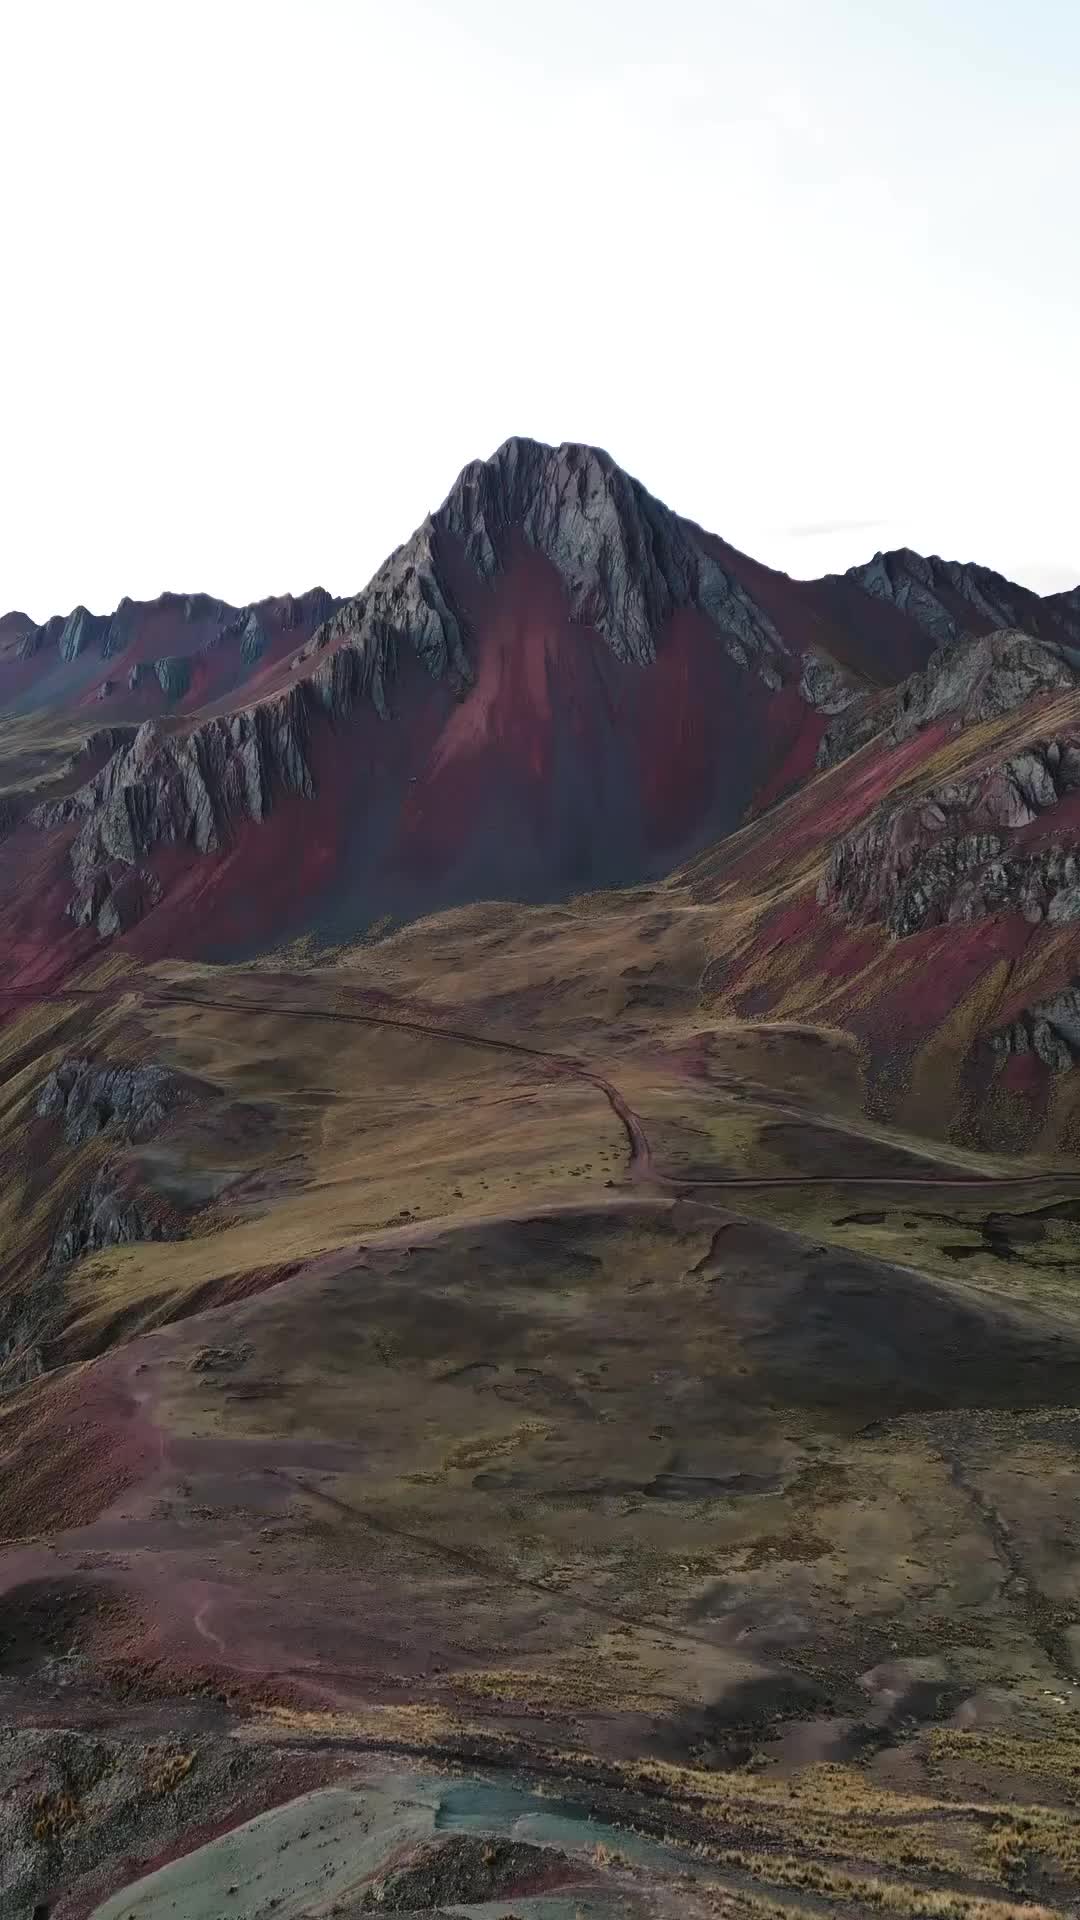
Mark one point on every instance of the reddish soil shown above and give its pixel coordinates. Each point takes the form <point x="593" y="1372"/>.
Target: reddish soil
<point x="73" y="1447"/>
<point x="562" y="769"/>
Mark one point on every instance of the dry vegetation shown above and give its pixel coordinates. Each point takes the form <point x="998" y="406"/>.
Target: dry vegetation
<point x="752" y="1510"/>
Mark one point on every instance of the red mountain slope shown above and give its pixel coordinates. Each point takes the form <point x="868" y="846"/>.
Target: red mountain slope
<point x="924" y="895"/>
<point x="555" y="685"/>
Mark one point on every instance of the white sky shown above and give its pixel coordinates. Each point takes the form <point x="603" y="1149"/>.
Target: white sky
<point x="275" y="269"/>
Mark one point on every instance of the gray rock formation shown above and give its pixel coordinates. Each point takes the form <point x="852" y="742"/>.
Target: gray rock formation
<point x="1051" y="1030"/>
<point x="865" y="718"/>
<point x="105" y="1214"/>
<point x="250" y="626"/>
<point x="125" y="1105"/>
<point x="626" y="561"/>
<point x="951" y="598"/>
<point x="129" y="1103"/>
<point x="950" y="855"/>
<point x="463" y="1869"/>
<point x="189" y="609"/>
<point x="22" y="1332"/>
<point x="826" y="686"/>
<point x="252" y="639"/>
<point x="172" y="675"/>
<point x="112" y="633"/>
<point x="977" y="679"/>
<point x="16" y="806"/>
<point x="165" y="788"/>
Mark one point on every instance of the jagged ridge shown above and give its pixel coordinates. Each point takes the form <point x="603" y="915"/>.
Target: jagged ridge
<point x="980" y="678"/>
<point x="111" y="633"/>
<point x="950" y="598"/>
<point x="626" y="561"/>
<point x="948" y="855"/>
<point x="627" y="564"/>
<point x="165" y="788"/>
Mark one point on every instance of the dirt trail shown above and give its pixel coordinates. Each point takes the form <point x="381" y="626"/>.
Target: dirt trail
<point x="555" y="1063"/>
<point x="205" y="1632"/>
<point x="642" y="1166"/>
<point x="489" y="1569"/>
<point x="985" y="1182"/>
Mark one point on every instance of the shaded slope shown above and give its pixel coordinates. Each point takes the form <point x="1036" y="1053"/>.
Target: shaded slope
<point x="950" y="598"/>
<point x="507" y="1463"/>
<point x="924" y="895"/>
<point x="148" y="657"/>
<point x="556" y="684"/>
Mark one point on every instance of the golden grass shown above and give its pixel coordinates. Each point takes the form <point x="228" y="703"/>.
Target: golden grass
<point x="874" y="1894"/>
<point x="53" y="1815"/>
<point x="828" y="1831"/>
<point x="168" y="1771"/>
<point x="1051" y="1759"/>
<point x="573" y="1682"/>
<point x="477" y="1451"/>
<point x="377" y="1128"/>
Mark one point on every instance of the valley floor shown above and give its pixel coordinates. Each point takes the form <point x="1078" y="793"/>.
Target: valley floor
<point x="511" y="1388"/>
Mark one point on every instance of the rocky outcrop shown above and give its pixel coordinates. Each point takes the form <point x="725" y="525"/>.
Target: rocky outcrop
<point x="15" y="628"/>
<point x="464" y="1869"/>
<point x="862" y="720"/>
<point x="128" y="1103"/>
<point x="978" y="679"/>
<point x="125" y="1105"/>
<point x="113" y="633"/>
<point x="23" y="1323"/>
<point x="106" y="1212"/>
<point x="166" y="788"/>
<point x="826" y="686"/>
<point x="951" y="598"/>
<point x="103" y="741"/>
<point x="105" y="1215"/>
<point x="16" y="806"/>
<point x="252" y="639"/>
<point x="950" y="855"/>
<point x="80" y="631"/>
<point x="627" y="564"/>
<point x="110" y="1203"/>
<point x="71" y="634"/>
<point x="172" y="675"/>
<point x="982" y="680"/>
<point x="626" y="561"/>
<point x="1050" y="1030"/>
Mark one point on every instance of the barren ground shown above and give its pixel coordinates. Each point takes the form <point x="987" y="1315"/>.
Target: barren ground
<point x="556" y="1377"/>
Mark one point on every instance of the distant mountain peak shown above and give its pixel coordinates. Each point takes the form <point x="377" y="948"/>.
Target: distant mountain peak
<point x="949" y="598"/>
<point x="581" y="686"/>
<point x="625" y="560"/>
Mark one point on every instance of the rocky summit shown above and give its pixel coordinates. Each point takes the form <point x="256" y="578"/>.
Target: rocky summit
<point x="539" y="1340"/>
<point x="555" y="684"/>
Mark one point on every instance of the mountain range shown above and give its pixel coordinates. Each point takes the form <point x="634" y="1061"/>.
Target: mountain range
<point x="558" y="685"/>
<point x="539" y="1343"/>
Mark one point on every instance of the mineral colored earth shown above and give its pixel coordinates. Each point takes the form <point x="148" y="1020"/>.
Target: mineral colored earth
<point x="540" y="1235"/>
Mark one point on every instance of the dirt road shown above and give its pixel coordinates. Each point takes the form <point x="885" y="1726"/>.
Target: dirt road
<point x="641" y="1167"/>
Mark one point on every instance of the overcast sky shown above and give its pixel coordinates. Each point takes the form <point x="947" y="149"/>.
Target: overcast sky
<point x="275" y="269"/>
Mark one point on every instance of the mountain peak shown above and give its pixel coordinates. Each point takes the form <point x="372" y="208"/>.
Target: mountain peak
<point x="951" y="598"/>
<point x="626" y="563"/>
<point x="582" y="687"/>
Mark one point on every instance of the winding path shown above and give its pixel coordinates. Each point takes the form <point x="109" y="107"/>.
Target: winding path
<point x="566" y="1065"/>
<point x="642" y="1167"/>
